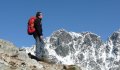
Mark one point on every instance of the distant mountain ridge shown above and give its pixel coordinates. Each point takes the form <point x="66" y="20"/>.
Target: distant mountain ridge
<point x="85" y="49"/>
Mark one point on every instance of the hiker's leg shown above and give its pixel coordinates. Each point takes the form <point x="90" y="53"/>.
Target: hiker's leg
<point x="37" y="50"/>
<point x="42" y="46"/>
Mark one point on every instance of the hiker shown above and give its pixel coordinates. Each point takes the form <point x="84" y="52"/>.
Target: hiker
<point x="38" y="35"/>
<point x="35" y="29"/>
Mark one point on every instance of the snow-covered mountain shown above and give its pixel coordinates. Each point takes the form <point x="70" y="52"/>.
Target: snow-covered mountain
<point x="85" y="49"/>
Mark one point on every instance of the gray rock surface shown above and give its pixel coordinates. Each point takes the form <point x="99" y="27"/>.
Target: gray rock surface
<point x="11" y="58"/>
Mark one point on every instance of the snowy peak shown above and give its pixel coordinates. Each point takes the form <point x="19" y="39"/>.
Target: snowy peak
<point x="91" y="37"/>
<point x="113" y="46"/>
<point x="66" y="37"/>
<point x="61" y="36"/>
<point x="64" y="44"/>
<point x="115" y="38"/>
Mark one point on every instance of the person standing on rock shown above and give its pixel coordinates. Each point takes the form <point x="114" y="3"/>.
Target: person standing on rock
<point x="38" y="35"/>
<point x="35" y="29"/>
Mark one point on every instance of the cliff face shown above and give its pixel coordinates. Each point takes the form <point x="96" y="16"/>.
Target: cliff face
<point x="85" y="49"/>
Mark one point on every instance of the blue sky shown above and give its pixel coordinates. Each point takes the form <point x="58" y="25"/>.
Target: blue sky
<point x="101" y="17"/>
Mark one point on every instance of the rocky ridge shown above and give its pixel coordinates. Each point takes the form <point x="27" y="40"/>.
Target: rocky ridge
<point x="13" y="58"/>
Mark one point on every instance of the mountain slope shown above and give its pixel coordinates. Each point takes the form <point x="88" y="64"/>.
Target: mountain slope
<point x="12" y="58"/>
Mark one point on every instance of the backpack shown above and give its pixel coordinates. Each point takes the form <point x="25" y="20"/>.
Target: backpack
<point x="31" y="29"/>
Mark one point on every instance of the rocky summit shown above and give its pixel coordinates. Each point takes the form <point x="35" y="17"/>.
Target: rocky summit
<point x="65" y="50"/>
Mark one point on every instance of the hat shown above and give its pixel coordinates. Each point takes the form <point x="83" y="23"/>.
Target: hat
<point x="38" y="14"/>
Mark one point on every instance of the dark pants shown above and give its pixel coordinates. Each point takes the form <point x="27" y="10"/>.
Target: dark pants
<point x="39" y="46"/>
